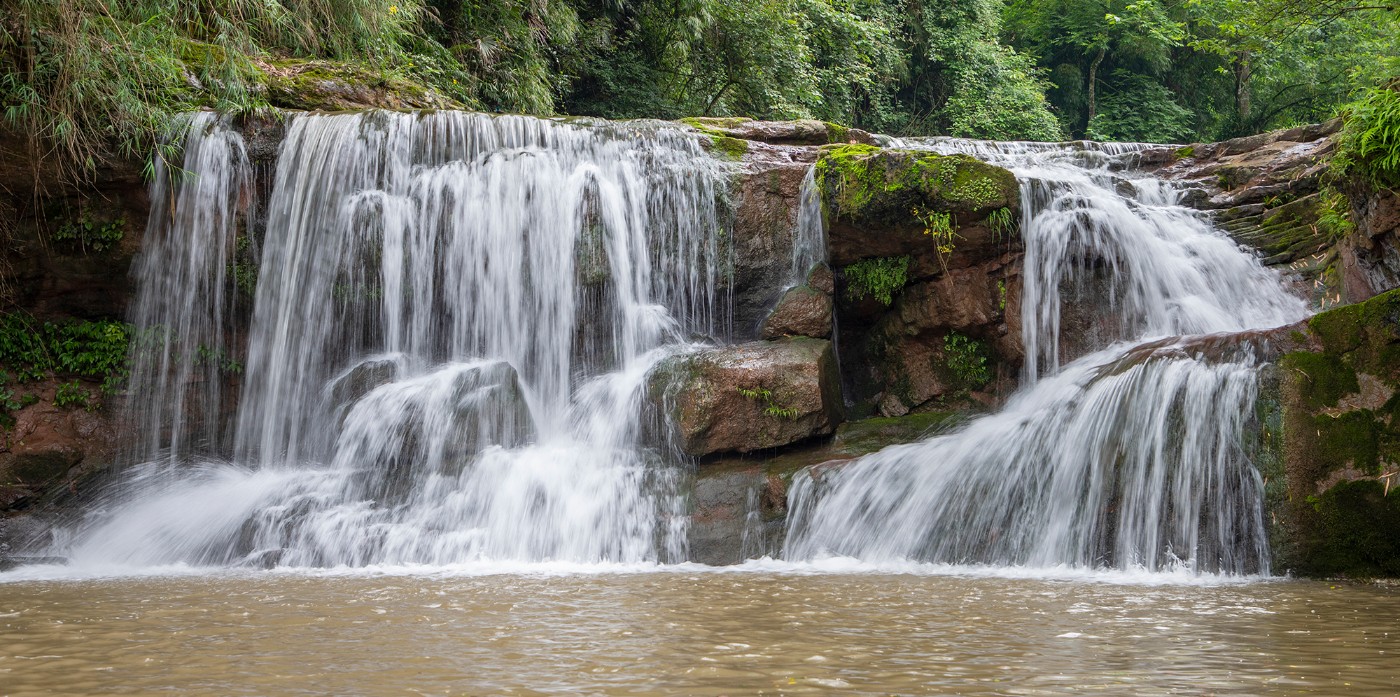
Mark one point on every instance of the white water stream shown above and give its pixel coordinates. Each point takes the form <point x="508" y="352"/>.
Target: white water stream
<point x="1103" y="462"/>
<point x="453" y="325"/>
<point x="456" y="315"/>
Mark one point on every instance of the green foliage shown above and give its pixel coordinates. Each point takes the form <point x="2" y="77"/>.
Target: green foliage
<point x="1370" y="141"/>
<point x="770" y="408"/>
<point x="1139" y="109"/>
<point x="71" y="394"/>
<point x="939" y="226"/>
<point x="967" y="360"/>
<point x="88" y="80"/>
<point x="878" y="277"/>
<point x="1334" y="214"/>
<point x="1204" y="69"/>
<point x="509" y="49"/>
<point x="85" y="234"/>
<point x="95" y="350"/>
<point x="1002" y="222"/>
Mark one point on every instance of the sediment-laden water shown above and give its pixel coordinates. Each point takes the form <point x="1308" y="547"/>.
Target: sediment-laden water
<point x="693" y="632"/>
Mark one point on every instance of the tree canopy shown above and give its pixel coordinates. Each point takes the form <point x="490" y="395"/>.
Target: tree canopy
<point x="87" y="79"/>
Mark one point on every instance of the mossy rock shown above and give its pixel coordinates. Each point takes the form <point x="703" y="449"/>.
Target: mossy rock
<point x="869" y="435"/>
<point x="1354" y="532"/>
<point x="869" y="184"/>
<point x="315" y="85"/>
<point x="1341" y="443"/>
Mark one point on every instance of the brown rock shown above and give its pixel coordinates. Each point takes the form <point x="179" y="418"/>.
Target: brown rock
<point x="765" y="223"/>
<point x="803" y="311"/>
<point x="47" y="444"/>
<point x="822" y="279"/>
<point x="754" y="396"/>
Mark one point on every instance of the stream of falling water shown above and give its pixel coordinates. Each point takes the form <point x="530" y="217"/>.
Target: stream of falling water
<point x="1104" y="462"/>
<point x="455" y="318"/>
<point x="454" y="321"/>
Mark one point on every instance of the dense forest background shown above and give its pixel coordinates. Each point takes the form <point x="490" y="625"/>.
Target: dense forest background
<point x="86" y="79"/>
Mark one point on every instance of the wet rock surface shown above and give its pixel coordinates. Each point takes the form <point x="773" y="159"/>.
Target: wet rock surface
<point x="49" y="447"/>
<point x="802" y="311"/>
<point x="753" y="396"/>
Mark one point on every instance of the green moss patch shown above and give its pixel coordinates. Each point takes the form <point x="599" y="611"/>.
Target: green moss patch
<point x="1355" y="526"/>
<point x="1325" y="378"/>
<point x="869" y="435"/>
<point x="866" y="183"/>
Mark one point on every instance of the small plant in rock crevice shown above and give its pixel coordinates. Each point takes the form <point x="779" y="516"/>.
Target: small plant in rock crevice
<point x="967" y="360"/>
<point x="880" y="278"/>
<point x="770" y="407"/>
<point x="1002" y="223"/>
<point x="87" y="235"/>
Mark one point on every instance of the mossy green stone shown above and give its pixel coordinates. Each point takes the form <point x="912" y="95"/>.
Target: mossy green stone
<point x="867" y="183"/>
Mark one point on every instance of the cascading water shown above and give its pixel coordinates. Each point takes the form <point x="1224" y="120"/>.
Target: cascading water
<point x="809" y="239"/>
<point x="175" y="384"/>
<point x="453" y="324"/>
<point x="1108" y="461"/>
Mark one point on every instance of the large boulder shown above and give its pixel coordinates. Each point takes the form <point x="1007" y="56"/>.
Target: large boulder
<point x="928" y="284"/>
<point x="1331" y="418"/>
<point x="886" y="203"/>
<point x="802" y="311"/>
<point x="754" y="396"/>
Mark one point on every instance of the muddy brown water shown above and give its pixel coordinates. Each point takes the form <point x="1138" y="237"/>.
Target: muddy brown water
<point x="692" y="632"/>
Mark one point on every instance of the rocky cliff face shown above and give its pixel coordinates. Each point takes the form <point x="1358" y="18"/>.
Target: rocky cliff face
<point x="1337" y="239"/>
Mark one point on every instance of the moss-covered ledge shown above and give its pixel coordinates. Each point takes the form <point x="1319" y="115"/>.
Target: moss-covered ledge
<point x="865" y="183"/>
<point x="1341" y="444"/>
<point x="946" y="211"/>
<point x="318" y="85"/>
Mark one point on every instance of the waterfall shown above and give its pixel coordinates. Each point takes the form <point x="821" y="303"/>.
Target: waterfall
<point x="181" y="307"/>
<point x="454" y="320"/>
<point x="809" y="238"/>
<point x="1111" y="460"/>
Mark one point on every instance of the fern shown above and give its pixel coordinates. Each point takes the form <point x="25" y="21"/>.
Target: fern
<point x="1370" y="142"/>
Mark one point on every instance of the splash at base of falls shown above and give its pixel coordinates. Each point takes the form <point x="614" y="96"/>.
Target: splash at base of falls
<point x="1100" y="466"/>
